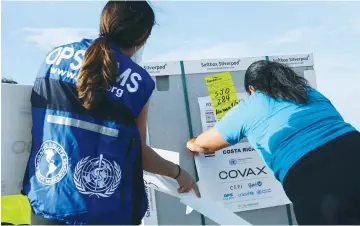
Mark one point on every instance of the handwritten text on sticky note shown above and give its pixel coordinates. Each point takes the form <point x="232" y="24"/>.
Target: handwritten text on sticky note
<point x="222" y="92"/>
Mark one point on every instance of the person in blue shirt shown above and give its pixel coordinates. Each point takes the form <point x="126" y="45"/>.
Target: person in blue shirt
<point x="303" y="139"/>
<point x="89" y="112"/>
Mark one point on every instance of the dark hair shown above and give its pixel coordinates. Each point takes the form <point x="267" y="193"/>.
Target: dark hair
<point x="276" y="80"/>
<point x="125" y="24"/>
<point x="8" y="80"/>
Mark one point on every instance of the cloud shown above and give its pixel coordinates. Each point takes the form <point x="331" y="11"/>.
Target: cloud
<point x="295" y="35"/>
<point x="342" y="90"/>
<point x="221" y="50"/>
<point x="313" y="33"/>
<point x="353" y="25"/>
<point x="47" y="38"/>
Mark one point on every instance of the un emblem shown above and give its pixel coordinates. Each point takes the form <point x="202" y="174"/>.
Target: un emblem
<point x="232" y="162"/>
<point x="97" y="176"/>
<point x="51" y="163"/>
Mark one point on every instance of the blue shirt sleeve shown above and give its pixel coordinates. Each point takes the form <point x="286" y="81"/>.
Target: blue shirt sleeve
<point x="233" y="126"/>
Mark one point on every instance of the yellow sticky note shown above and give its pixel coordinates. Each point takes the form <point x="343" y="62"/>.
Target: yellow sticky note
<point x="222" y="92"/>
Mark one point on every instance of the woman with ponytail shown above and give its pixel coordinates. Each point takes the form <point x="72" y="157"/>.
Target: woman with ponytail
<point x="303" y="139"/>
<point x="89" y="111"/>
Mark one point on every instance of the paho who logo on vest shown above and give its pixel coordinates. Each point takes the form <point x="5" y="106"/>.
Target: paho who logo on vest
<point x="97" y="176"/>
<point x="51" y="163"/>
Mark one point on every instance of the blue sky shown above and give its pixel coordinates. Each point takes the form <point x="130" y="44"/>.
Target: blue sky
<point x="193" y="30"/>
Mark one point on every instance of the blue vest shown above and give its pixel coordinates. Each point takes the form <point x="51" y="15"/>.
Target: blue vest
<point x="85" y="166"/>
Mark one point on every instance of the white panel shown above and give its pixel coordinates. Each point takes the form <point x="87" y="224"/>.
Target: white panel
<point x="311" y="77"/>
<point x="298" y="60"/>
<point x="219" y="65"/>
<point x="163" y="68"/>
<point x="16" y="125"/>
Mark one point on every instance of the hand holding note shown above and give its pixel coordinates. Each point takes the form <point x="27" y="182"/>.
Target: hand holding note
<point x="186" y="183"/>
<point x="205" y="205"/>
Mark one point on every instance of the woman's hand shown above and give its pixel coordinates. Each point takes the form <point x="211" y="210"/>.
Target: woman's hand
<point x="193" y="148"/>
<point x="187" y="182"/>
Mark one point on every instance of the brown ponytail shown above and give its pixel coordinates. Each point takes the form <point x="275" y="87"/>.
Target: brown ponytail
<point x="98" y="71"/>
<point x="125" y="24"/>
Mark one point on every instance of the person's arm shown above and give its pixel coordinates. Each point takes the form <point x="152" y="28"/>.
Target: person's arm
<point x="151" y="161"/>
<point x="207" y="142"/>
<point x="154" y="163"/>
<point x="229" y="131"/>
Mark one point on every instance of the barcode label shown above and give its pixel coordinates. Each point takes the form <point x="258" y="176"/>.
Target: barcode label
<point x="210" y="117"/>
